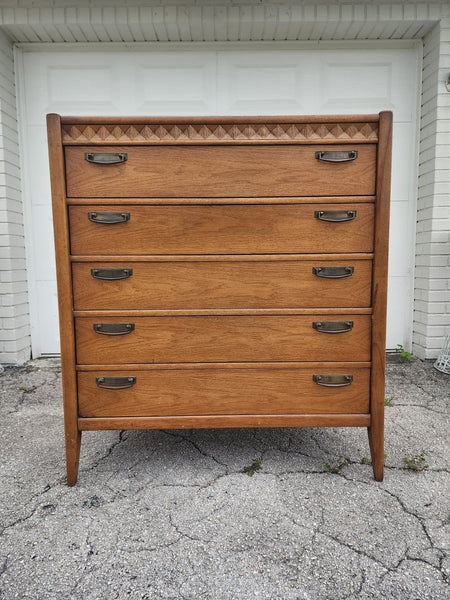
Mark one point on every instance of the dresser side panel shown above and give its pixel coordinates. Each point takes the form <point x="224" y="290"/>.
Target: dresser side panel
<point x="65" y="297"/>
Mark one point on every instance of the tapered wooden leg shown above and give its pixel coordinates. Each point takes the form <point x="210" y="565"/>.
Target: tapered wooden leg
<point x="376" y="443"/>
<point x="73" y="445"/>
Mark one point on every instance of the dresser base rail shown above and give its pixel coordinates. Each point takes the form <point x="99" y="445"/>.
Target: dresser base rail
<point x="223" y="421"/>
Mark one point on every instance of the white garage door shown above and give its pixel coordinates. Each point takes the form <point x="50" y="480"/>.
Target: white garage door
<point x="211" y="80"/>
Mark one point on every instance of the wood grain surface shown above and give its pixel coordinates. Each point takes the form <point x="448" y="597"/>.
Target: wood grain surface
<point x="236" y="284"/>
<point x="223" y="339"/>
<point x="217" y="171"/>
<point x="379" y="294"/>
<point x="65" y="299"/>
<point x="223" y="391"/>
<point x="221" y="421"/>
<point x="218" y="229"/>
<point x="183" y="201"/>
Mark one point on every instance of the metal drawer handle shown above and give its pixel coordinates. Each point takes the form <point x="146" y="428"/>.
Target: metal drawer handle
<point x="335" y="216"/>
<point x="108" y="218"/>
<point x="105" y="158"/>
<point x="333" y="326"/>
<point x="111" y="274"/>
<point x="333" y="272"/>
<point x="333" y="380"/>
<point x="337" y="155"/>
<point x="115" y="383"/>
<point x="113" y="328"/>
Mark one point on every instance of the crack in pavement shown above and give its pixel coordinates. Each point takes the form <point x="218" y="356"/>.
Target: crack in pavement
<point x="3" y="567"/>
<point x="19" y="521"/>
<point x="411" y="513"/>
<point x="439" y="570"/>
<point x="186" y="535"/>
<point x="406" y="556"/>
<point x="297" y="472"/>
<point x="426" y="392"/>
<point x="394" y="468"/>
<point x="355" y="550"/>
<point x="195" y="445"/>
<point x="432" y="545"/>
<point x="24" y="391"/>
<point x="289" y="451"/>
<point x="361" y="584"/>
<point x="318" y="531"/>
<point x="87" y="559"/>
<point x="122" y="438"/>
<point x="407" y="405"/>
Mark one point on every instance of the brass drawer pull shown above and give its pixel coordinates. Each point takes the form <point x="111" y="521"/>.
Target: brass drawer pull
<point x="333" y="380"/>
<point x="113" y="328"/>
<point x="111" y="274"/>
<point x="105" y="158"/>
<point x="337" y="155"/>
<point x="333" y="272"/>
<point x="333" y="326"/>
<point x="335" y="216"/>
<point x="115" y="383"/>
<point x="108" y="218"/>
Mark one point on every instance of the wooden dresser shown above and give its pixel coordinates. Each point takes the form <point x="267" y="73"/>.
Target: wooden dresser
<point x="221" y="272"/>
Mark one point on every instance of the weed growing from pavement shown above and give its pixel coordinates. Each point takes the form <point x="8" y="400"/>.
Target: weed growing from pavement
<point x="416" y="462"/>
<point x="404" y="355"/>
<point x="388" y="401"/>
<point x="336" y="468"/>
<point x="255" y="466"/>
<point x="365" y="461"/>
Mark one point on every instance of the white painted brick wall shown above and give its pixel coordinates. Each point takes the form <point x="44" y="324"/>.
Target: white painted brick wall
<point x="14" y="319"/>
<point x="432" y="276"/>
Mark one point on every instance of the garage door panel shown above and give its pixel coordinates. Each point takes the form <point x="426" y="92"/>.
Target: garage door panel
<point x="368" y="81"/>
<point x="72" y="83"/>
<point x="266" y="82"/>
<point x="338" y="78"/>
<point x="174" y="84"/>
<point x="208" y="80"/>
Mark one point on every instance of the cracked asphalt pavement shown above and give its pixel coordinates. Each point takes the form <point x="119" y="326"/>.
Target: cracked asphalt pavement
<point x="172" y="514"/>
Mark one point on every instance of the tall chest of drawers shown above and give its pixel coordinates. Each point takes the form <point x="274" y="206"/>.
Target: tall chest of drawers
<point x="221" y="272"/>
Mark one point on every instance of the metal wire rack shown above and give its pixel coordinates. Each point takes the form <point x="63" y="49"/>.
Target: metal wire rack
<point x="443" y="360"/>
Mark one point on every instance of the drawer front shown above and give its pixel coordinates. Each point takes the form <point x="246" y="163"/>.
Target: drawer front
<point x="216" y="171"/>
<point x="222" y="391"/>
<point x="221" y="229"/>
<point x="221" y="284"/>
<point x="267" y="338"/>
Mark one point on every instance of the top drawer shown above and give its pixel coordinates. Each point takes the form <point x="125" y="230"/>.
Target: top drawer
<point x="221" y="171"/>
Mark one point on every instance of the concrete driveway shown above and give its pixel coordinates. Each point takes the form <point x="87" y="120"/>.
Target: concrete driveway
<point x="172" y="514"/>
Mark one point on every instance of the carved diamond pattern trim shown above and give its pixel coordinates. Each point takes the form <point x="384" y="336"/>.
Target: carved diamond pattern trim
<point x="220" y="133"/>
